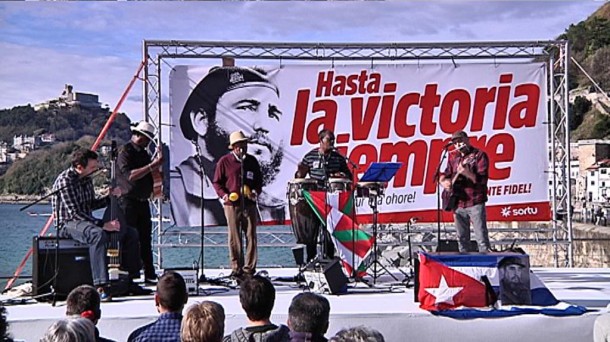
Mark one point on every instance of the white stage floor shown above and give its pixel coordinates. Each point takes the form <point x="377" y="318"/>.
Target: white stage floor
<point x="389" y="309"/>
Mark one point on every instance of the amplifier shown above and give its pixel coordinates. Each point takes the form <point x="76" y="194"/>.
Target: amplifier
<point x="191" y="279"/>
<point x="73" y="266"/>
<point x="326" y="276"/>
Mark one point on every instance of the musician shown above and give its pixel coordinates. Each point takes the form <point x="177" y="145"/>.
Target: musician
<point x="74" y="204"/>
<point x="135" y="170"/>
<point x="322" y="163"/>
<point x="232" y="170"/>
<point x="466" y="176"/>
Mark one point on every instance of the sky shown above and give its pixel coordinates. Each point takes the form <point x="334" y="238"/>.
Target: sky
<point x="97" y="46"/>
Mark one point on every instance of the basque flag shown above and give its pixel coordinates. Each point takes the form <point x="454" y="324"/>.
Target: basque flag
<point x="454" y="285"/>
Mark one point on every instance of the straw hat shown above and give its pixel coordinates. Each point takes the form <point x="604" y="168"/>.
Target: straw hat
<point x="236" y="137"/>
<point x="145" y="129"/>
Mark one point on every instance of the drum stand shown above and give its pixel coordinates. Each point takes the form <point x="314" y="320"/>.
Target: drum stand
<point x="376" y="263"/>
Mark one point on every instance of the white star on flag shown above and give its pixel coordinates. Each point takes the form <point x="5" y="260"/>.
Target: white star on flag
<point x="444" y="293"/>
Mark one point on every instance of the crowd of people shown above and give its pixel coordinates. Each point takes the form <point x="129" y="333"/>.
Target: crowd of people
<point x="308" y="317"/>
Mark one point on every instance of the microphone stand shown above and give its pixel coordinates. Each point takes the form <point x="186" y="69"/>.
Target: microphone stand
<point x="202" y="277"/>
<point x="438" y="197"/>
<point x="242" y="205"/>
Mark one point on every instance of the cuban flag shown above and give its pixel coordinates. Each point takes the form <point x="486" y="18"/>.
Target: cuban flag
<point x="468" y="285"/>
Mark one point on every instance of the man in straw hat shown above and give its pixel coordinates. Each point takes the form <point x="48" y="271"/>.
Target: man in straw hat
<point x="136" y="168"/>
<point x="465" y="177"/>
<point x="238" y="181"/>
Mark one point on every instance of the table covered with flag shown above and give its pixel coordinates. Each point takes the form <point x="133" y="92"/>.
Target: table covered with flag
<point x="468" y="285"/>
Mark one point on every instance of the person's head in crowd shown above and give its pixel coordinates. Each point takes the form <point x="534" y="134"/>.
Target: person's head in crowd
<point x="171" y="295"/>
<point x="70" y="330"/>
<point x="257" y="297"/>
<point x="309" y="312"/>
<point x="84" y="161"/>
<point x="327" y="140"/>
<point x="4" y="335"/>
<point x="512" y="270"/>
<point x="357" y="334"/>
<point x="231" y="99"/>
<point x="203" y="322"/>
<point x="84" y="301"/>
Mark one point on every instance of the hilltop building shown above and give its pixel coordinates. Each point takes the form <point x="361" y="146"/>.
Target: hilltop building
<point x="70" y="98"/>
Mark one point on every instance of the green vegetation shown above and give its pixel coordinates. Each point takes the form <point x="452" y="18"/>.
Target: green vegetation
<point x="73" y="127"/>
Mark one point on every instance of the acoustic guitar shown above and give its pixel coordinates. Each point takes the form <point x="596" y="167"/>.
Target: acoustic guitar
<point x="450" y="198"/>
<point x="158" y="175"/>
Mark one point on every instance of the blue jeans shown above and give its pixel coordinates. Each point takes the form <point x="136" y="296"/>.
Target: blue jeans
<point x="94" y="236"/>
<point x="477" y="215"/>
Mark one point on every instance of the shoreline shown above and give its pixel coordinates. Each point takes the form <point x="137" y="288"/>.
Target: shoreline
<point x="22" y="199"/>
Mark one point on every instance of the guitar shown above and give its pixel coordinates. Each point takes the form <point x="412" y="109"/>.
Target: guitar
<point x="157" y="176"/>
<point x="451" y="196"/>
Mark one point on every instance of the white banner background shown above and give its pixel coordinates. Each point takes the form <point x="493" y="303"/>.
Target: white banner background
<point x="437" y="100"/>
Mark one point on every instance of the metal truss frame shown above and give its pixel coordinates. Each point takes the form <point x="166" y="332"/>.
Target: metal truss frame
<point x="554" y="53"/>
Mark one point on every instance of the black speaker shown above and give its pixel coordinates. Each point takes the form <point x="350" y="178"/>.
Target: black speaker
<point x="73" y="266"/>
<point x="452" y="246"/>
<point x="326" y="276"/>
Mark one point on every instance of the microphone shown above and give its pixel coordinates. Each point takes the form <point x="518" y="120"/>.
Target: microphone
<point x="344" y="157"/>
<point x="447" y="145"/>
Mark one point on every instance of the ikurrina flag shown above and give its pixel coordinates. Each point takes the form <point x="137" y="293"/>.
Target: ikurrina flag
<point x="483" y="285"/>
<point x="335" y="211"/>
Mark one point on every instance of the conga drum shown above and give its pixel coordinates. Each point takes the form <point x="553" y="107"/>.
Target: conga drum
<point x="305" y="224"/>
<point x="339" y="184"/>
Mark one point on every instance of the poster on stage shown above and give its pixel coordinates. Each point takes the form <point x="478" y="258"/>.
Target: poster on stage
<point x="402" y="113"/>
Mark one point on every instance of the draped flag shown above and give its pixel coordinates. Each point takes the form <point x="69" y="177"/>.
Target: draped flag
<point x="465" y="286"/>
<point x="335" y="211"/>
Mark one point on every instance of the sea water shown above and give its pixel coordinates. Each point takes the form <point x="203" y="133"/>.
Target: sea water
<point x="19" y="227"/>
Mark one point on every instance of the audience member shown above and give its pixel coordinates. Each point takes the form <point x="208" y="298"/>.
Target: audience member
<point x="70" y="330"/>
<point x="84" y="301"/>
<point x="257" y="297"/>
<point x="358" y="334"/>
<point x="601" y="328"/>
<point x="170" y="298"/>
<point x="308" y="317"/>
<point x="203" y="322"/>
<point x="4" y="335"/>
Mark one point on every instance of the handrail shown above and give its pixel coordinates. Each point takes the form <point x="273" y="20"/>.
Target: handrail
<point x="94" y="147"/>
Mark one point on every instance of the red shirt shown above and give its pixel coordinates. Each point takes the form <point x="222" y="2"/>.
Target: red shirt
<point x="469" y="193"/>
<point x="228" y="171"/>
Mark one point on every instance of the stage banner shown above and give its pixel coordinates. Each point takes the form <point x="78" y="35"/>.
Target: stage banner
<point x="379" y="113"/>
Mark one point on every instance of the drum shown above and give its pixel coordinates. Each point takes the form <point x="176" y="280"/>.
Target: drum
<point x="339" y="184"/>
<point x="305" y="224"/>
<point x="369" y="189"/>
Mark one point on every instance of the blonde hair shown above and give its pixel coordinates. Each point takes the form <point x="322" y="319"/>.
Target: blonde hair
<point x="203" y="322"/>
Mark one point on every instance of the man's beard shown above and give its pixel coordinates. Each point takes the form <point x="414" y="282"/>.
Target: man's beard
<point x="219" y="139"/>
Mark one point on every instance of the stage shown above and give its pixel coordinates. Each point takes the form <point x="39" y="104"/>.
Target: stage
<point x="388" y="307"/>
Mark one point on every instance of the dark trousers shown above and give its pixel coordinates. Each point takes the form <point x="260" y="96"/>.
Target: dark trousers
<point x="137" y="215"/>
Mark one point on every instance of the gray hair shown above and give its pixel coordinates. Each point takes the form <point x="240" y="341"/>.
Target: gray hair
<point x="357" y="334"/>
<point x="70" y="330"/>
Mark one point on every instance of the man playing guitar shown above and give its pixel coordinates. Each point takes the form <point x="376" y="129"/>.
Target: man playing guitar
<point x="465" y="178"/>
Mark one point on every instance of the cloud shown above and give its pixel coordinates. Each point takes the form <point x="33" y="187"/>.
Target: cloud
<point x="96" y="46"/>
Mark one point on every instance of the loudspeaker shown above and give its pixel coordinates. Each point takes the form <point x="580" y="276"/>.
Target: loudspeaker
<point x="326" y="276"/>
<point x="73" y="266"/>
<point x="452" y="246"/>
